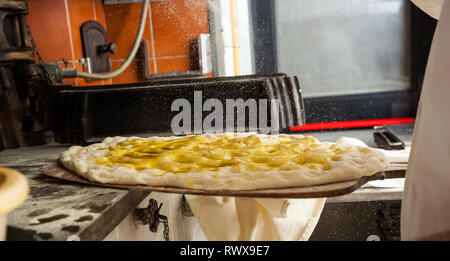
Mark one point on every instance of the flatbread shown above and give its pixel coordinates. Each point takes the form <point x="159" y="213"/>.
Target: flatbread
<point x="229" y="161"/>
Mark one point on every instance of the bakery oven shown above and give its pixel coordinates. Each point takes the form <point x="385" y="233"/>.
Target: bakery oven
<point x="74" y="72"/>
<point x="355" y="60"/>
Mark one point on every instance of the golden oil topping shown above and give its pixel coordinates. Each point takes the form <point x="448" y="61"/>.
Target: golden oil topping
<point x="213" y="153"/>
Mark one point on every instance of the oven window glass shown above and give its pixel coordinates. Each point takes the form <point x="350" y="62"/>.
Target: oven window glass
<point x="341" y="47"/>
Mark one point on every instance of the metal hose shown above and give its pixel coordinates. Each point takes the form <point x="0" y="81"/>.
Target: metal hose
<point x="134" y="49"/>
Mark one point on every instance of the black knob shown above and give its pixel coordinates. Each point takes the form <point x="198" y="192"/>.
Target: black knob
<point x="105" y="48"/>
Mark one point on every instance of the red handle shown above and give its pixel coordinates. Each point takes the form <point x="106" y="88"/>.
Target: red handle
<point x="351" y="124"/>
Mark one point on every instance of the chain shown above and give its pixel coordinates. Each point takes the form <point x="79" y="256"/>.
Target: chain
<point x="154" y="218"/>
<point x="38" y="55"/>
<point x="166" y="227"/>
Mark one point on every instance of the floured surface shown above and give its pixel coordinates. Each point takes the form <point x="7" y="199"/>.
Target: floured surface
<point x="223" y="161"/>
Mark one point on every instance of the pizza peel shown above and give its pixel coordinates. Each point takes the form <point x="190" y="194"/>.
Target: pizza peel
<point x="56" y="170"/>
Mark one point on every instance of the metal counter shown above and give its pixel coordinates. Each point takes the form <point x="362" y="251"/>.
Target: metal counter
<point x="57" y="210"/>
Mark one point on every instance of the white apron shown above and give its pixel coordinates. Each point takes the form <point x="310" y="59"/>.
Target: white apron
<point x="426" y="198"/>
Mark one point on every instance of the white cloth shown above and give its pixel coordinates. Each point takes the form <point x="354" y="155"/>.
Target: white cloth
<point x="426" y="199"/>
<point x="256" y="219"/>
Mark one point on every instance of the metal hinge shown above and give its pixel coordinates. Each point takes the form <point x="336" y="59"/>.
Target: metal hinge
<point x="150" y="216"/>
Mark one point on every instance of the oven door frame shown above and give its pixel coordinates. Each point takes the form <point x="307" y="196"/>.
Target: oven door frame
<point x="390" y="104"/>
